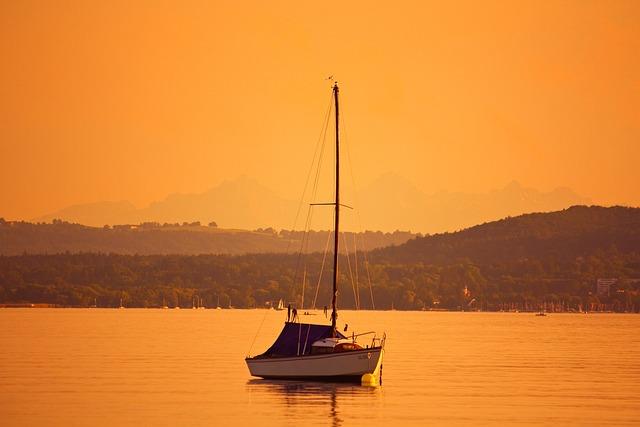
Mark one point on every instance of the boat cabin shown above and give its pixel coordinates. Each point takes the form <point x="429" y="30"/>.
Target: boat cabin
<point x="333" y="345"/>
<point x="303" y="339"/>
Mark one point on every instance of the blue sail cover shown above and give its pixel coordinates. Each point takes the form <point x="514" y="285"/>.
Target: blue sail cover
<point x="298" y="333"/>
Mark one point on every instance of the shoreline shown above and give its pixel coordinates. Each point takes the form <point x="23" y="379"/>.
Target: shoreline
<point x="58" y="306"/>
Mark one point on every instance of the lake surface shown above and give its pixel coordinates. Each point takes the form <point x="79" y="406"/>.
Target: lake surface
<point x="186" y="367"/>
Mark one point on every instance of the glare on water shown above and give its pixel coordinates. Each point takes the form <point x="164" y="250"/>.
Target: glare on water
<point x="186" y="367"/>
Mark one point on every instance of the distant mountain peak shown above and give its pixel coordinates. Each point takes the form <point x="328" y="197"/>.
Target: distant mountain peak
<point x="513" y="186"/>
<point x="389" y="202"/>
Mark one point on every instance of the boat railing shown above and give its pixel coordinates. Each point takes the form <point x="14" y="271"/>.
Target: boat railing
<point x="378" y="342"/>
<point x="375" y="341"/>
<point x="354" y="336"/>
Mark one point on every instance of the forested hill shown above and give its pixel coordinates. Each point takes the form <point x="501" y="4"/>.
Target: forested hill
<point x="18" y="237"/>
<point x="561" y="236"/>
<point x="539" y="261"/>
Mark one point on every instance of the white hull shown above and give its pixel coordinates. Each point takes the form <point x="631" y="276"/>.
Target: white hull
<point x="349" y="365"/>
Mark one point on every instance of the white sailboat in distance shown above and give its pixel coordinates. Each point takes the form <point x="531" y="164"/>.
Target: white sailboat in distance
<point x="316" y="352"/>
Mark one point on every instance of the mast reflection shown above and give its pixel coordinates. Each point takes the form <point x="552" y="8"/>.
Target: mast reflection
<point x="301" y="397"/>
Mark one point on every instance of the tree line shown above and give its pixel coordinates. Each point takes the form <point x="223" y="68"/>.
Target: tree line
<point x="539" y="261"/>
<point x="254" y="281"/>
<point x="149" y="238"/>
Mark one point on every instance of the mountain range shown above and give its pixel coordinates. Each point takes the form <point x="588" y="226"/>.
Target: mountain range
<point x="244" y="203"/>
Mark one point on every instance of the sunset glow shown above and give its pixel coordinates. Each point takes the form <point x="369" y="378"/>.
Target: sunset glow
<point x="135" y="101"/>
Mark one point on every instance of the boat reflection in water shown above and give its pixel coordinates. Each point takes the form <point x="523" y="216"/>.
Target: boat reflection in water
<point x="300" y="400"/>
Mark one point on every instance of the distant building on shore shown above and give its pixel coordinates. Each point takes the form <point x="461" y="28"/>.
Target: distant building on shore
<point x="603" y="286"/>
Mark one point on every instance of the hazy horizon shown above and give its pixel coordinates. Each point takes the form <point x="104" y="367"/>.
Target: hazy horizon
<point x="295" y="196"/>
<point x="244" y="203"/>
<point x="134" y="102"/>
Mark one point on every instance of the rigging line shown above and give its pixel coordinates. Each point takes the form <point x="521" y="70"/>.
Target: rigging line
<point x="314" y="191"/>
<point x="357" y="204"/>
<point x="306" y="340"/>
<point x="355" y="256"/>
<point x="257" y="332"/>
<point x="304" y="248"/>
<point x="366" y="266"/>
<point x="305" y="236"/>
<point x="346" y="248"/>
<point x="316" y="181"/>
<point x="325" y="129"/>
<point x="347" y="148"/>
<point x="313" y="160"/>
<point x="324" y="258"/>
<point x="307" y="231"/>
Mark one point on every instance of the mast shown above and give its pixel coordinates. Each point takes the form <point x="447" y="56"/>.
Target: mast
<point x="334" y="308"/>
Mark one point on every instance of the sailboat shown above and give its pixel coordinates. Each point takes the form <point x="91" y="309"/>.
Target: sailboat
<point x="317" y="352"/>
<point x="280" y="305"/>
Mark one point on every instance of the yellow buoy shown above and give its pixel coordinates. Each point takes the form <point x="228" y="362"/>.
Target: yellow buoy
<point x="369" y="379"/>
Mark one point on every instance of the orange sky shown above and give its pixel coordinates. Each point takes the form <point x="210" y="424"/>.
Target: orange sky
<point x="109" y="101"/>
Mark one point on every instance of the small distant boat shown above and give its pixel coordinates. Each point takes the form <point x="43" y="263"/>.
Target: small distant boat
<point x="218" y="304"/>
<point x="164" y="304"/>
<point x="280" y="305"/>
<point x="196" y="303"/>
<point x="121" y="304"/>
<point x="542" y="313"/>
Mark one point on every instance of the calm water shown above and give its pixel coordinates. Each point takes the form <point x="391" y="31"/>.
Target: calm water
<point x="185" y="367"/>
